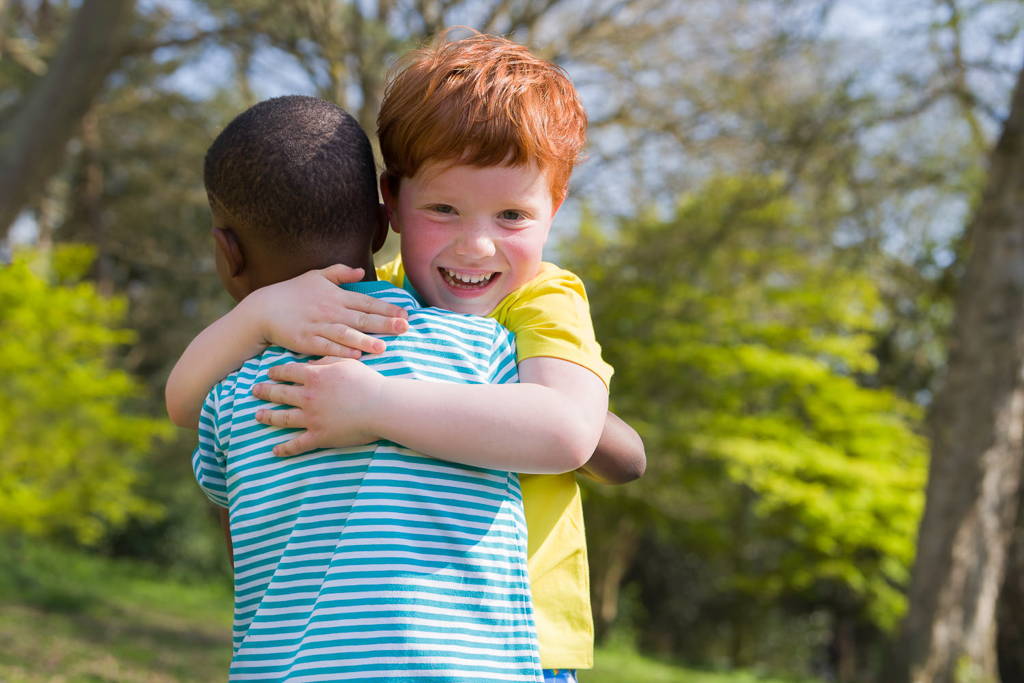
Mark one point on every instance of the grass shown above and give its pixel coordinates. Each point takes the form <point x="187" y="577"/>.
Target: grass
<point x="69" y="617"/>
<point x="625" y="666"/>
<point x="72" y="617"/>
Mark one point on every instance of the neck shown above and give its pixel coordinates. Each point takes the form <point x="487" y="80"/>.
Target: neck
<point x="272" y="267"/>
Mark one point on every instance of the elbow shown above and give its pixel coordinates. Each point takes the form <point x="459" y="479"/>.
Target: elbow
<point x="179" y="415"/>
<point x="635" y="467"/>
<point x="625" y="472"/>
<point x="576" y="449"/>
<point x="176" y="416"/>
<point x="576" y="459"/>
<point x="619" y="466"/>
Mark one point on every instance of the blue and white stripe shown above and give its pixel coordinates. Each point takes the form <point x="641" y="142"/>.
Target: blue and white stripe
<point x="373" y="563"/>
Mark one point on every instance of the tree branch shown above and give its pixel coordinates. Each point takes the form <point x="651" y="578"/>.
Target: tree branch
<point x="32" y="146"/>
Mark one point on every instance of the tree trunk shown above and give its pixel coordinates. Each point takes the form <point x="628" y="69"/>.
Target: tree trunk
<point x="843" y="648"/>
<point x="612" y="538"/>
<point x="618" y="557"/>
<point x="1010" y="612"/>
<point x="32" y="146"/>
<point x="977" y="423"/>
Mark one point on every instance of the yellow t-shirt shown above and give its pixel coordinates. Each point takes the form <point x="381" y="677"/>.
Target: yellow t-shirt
<point x="550" y="316"/>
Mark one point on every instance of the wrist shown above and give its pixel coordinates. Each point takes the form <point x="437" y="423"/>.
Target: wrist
<point x="381" y="407"/>
<point x="251" y="319"/>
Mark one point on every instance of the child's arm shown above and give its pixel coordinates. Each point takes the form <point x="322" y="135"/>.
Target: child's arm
<point x="548" y="423"/>
<point x="550" y="317"/>
<point x="307" y="314"/>
<point x="620" y="456"/>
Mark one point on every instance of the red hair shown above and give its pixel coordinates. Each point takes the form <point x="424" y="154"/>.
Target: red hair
<point x="480" y="101"/>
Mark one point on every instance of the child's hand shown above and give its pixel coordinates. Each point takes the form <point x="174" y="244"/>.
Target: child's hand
<point x="311" y="314"/>
<point x="333" y="401"/>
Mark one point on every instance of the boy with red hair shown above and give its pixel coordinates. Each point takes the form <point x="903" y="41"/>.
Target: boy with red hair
<point x="479" y="138"/>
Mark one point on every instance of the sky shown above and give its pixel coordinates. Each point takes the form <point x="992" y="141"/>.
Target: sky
<point x="872" y="26"/>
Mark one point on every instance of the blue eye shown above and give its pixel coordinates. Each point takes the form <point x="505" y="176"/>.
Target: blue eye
<point x="511" y="215"/>
<point x="443" y="208"/>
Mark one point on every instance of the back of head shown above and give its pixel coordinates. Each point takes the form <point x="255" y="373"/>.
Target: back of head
<point x="295" y="172"/>
<point x="480" y="101"/>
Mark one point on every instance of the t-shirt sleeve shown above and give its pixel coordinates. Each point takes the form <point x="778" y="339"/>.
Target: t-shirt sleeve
<point x="392" y="272"/>
<point x="208" y="460"/>
<point x="550" y="316"/>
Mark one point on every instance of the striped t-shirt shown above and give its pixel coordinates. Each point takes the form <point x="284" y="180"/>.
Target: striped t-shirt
<point x="373" y="563"/>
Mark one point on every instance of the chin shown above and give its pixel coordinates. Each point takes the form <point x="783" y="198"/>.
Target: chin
<point x="470" y="309"/>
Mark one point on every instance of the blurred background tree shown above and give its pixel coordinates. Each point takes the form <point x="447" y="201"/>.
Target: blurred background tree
<point x="72" y="441"/>
<point x="770" y="222"/>
<point x="794" y="489"/>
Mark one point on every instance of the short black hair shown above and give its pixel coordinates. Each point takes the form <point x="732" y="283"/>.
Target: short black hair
<point x="298" y="171"/>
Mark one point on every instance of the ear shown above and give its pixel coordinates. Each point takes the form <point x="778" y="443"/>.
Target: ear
<point x="230" y="251"/>
<point x="381" y="232"/>
<point x="389" y="195"/>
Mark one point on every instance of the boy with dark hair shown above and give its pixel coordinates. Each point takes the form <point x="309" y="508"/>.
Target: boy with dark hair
<point x="368" y="563"/>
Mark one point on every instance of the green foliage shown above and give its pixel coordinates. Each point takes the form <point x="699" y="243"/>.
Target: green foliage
<point x="740" y="344"/>
<point x="70" y="444"/>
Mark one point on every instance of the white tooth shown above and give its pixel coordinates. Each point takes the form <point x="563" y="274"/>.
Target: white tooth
<point x="467" y="278"/>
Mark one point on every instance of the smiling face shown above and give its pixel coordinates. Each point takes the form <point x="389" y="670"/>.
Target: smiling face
<point x="471" y="235"/>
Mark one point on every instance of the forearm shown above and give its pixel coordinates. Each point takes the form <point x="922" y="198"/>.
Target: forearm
<point x="526" y="428"/>
<point x="620" y="456"/>
<point x="218" y="350"/>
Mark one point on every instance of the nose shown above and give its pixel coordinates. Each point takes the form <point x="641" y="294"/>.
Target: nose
<point x="475" y="243"/>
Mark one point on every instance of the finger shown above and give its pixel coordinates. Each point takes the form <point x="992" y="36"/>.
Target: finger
<point x="341" y="274"/>
<point x="292" y="418"/>
<point x="375" y="323"/>
<point x="369" y="304"/>
<point x="326" y="347"/>
<point x="290" y="372"/>
<point x="345" y="337"/>
<point x="327" y="360"/>
<point x="285" y="394"/>
<point x="300" y="444"/>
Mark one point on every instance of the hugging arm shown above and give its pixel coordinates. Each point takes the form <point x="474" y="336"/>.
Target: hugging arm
<point x="548" y="423"/>
<point x="620" y="456"/>
<point x="307" y="314"/>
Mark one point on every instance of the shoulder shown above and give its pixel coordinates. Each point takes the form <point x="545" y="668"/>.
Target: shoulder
<point x="459" y="324"/>
<point x="551" y="278"/>
<point x="385" y="291"/>
<point x="553" y="294"/>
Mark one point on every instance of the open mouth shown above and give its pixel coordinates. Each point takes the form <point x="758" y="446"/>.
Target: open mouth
<point x="468" y="281"/>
